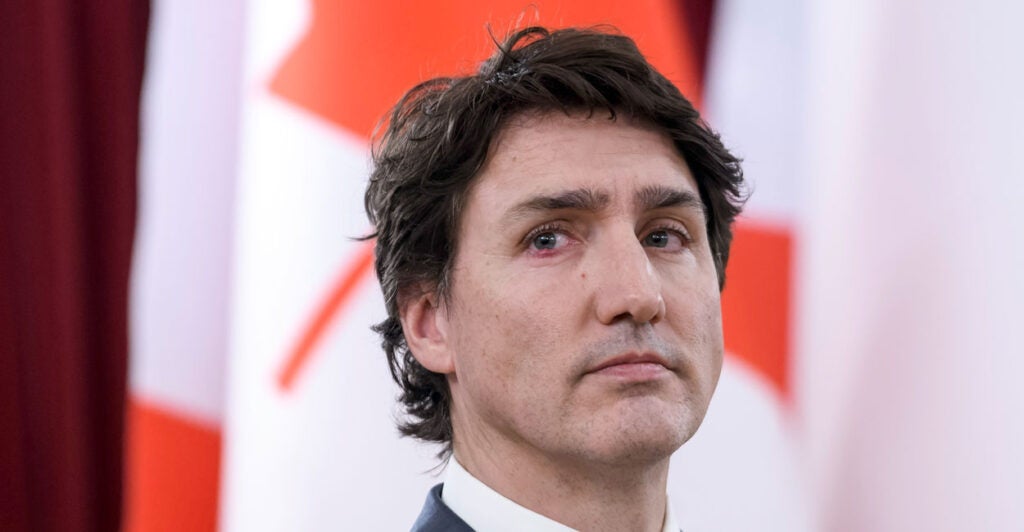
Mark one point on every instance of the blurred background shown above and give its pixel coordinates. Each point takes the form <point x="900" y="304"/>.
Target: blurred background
<point x="184" y="339"/>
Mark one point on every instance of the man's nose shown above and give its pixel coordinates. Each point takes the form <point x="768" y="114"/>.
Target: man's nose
<point x="628" y="287"/>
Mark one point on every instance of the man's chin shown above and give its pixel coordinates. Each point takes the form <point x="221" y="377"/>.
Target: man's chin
<point x="641" y="437"/>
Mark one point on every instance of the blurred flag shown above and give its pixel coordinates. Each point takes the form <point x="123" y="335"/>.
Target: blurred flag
<point x="910" y="266"/>
<point x="886" y="137"/>
<point x="261" y="400"/>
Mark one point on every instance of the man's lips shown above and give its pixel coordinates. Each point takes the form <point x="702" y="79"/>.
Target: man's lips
<point x="632" y="366"/>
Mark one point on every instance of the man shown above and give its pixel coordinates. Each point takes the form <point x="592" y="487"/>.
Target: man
<point x="552" y="236"/>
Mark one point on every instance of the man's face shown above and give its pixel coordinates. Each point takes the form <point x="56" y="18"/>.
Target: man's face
<point x="584" y="319"/>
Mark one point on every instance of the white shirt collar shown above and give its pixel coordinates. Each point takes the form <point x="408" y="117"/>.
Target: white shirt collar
<point x="486" y="510"/>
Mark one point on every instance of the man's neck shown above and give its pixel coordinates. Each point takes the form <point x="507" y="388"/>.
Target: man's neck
<point x="579" y="496"/>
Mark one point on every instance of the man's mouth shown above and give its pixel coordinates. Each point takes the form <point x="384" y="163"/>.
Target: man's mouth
<point x="632" y="367"/>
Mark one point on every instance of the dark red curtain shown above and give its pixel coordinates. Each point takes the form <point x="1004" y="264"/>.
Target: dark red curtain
<point x="70" y="78"/>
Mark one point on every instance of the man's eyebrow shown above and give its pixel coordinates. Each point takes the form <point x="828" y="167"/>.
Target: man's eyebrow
<point x="661" y="197"/>
<point x="581" y="199"/>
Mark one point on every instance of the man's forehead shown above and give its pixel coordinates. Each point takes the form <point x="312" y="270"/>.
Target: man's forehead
<point x="552" y="144"/>
<point x="538" y="126"/>
<point x="552" y="154"/>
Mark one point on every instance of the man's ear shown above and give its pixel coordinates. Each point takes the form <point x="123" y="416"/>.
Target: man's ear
<point x="425" y="325"/>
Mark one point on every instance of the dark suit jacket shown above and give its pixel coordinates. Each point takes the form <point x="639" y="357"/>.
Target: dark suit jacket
<point x="436" y="516"/>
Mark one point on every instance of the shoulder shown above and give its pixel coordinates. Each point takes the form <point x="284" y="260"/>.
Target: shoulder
<point x="436" y="516"/>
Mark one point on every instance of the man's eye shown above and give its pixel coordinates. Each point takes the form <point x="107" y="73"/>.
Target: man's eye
<point x="657" y="239"/>
<point x="664" y="238"/>
<point x="548" y="240"/>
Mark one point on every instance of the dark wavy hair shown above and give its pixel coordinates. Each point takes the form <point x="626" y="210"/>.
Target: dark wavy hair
<point x="435" y="141"/>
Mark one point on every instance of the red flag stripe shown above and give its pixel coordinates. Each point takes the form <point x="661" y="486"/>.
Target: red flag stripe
<point x="173" y="466"/>
<point x="756" y="301"/>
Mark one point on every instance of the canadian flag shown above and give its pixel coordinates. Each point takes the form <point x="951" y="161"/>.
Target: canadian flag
<point x="872" y="338"/>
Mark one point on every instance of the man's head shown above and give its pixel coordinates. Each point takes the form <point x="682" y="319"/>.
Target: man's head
<point x="560" y="212"/>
